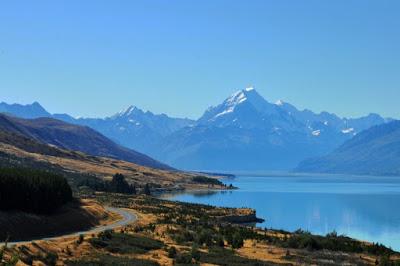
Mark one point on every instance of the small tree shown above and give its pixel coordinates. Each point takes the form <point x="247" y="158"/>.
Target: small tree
<point x="237" y="241"/>
<point x="219" y="241"/>
<point x="3" y="250"/>
<point x="172" y="252"/>
<point x="146" y="190"/>
<point x="132" y="189"/>
<point x="195" y="253"/>
<point x="81" y="239"/>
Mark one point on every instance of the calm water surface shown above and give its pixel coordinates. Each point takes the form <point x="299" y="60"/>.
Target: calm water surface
<point x="366" y="208"/>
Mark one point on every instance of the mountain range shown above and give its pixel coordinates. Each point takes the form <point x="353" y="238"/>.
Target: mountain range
<point x="375" y="151"/>
<point x="70" y="137"/>
<point x="244" y="132"/>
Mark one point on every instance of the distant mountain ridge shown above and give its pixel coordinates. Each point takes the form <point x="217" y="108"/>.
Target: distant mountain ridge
<point x="244" y="132"/>
<point x="34" y="110"/>
<point x="73" y="137"/>
<point x="375" y="151"/>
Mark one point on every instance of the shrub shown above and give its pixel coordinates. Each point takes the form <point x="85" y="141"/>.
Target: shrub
<point x="184" y="258"/>
<point x="51" y="258"/>
<point x="195" y="253"/>
<point x="172" y="252"/>
<point x="237" y="241"/>
<point x="80" y="239"/>
<point x="125" y="243"/>
<point x="146" y="190"/>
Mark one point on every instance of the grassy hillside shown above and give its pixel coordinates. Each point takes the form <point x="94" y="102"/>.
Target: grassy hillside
<point x="17" y="151"/>
<point x="73" y="137"/>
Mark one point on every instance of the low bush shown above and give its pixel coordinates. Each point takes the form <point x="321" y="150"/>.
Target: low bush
<point x="125" y="243"/>
<point x="108" y="260"/>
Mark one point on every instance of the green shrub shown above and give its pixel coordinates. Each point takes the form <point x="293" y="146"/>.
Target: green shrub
<point x="184" y="258"/>
<point x="51" y="258"/>
<point x="172" y="252"/>
<point x="80" y="239"/>
<point x="125" y="243"/>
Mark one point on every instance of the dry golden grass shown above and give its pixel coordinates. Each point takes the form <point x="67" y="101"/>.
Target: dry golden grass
<point x="260" y="251"/>
<point x="105" y="168"/>
<point x="67" y="248"/>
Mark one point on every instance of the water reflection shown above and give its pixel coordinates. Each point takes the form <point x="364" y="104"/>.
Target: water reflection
<point x="362" y="207"/>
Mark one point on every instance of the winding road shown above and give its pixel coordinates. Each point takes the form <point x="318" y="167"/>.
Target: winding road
<point x="127" y="218"/>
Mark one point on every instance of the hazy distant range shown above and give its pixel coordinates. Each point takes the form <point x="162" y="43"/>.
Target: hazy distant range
<point x="245" y="132"/>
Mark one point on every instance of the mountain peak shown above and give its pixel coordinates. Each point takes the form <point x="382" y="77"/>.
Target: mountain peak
<point x="250" y="88"/>
<point x="129" y="111"/>
<point x="238" y="104"/>
<point x="248" y="93"/>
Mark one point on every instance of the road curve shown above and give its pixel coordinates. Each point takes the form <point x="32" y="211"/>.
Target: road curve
<point x="127" y="218"/>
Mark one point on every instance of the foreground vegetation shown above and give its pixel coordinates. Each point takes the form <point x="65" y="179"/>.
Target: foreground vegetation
<point x="203" y="236"/>
<point x="118" y="184"/>
<point x="32" y="190"/>
<point x="176" y="233"/>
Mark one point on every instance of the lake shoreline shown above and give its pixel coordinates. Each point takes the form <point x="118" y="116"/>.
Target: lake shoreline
<point x="359" y="207"/>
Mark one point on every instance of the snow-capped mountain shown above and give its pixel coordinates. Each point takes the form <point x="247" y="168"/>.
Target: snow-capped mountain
<point x="244" y="132"/>
<point x="324" y="121"/>
<point x="133" y="128"/>
<point x="137" y="129"/>
<point x="161" y="123"/>
<point x="248" y="109"/>
<point x="236" y="108"/>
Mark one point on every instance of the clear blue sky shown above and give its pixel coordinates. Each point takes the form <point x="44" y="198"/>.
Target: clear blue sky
<point x="93" y="58"/>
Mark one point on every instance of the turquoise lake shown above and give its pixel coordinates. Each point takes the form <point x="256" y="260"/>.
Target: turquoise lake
<point x="366" y="208"/>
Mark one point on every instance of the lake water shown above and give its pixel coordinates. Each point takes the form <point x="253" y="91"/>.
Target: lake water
<point x="366" y="208"/>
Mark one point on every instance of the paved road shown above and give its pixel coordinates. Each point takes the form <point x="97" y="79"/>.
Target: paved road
<point x="127" y="218"/>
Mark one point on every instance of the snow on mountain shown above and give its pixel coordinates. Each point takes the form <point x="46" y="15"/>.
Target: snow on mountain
<point x="348" y="130"/>
<point x="246" y="132"/>
<point x="130" y="111"/>
<point x="137" y="129"/>
<point x="243" y="132"/>
<point x="375" y="151"/>
<point x="245" y="108"/>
